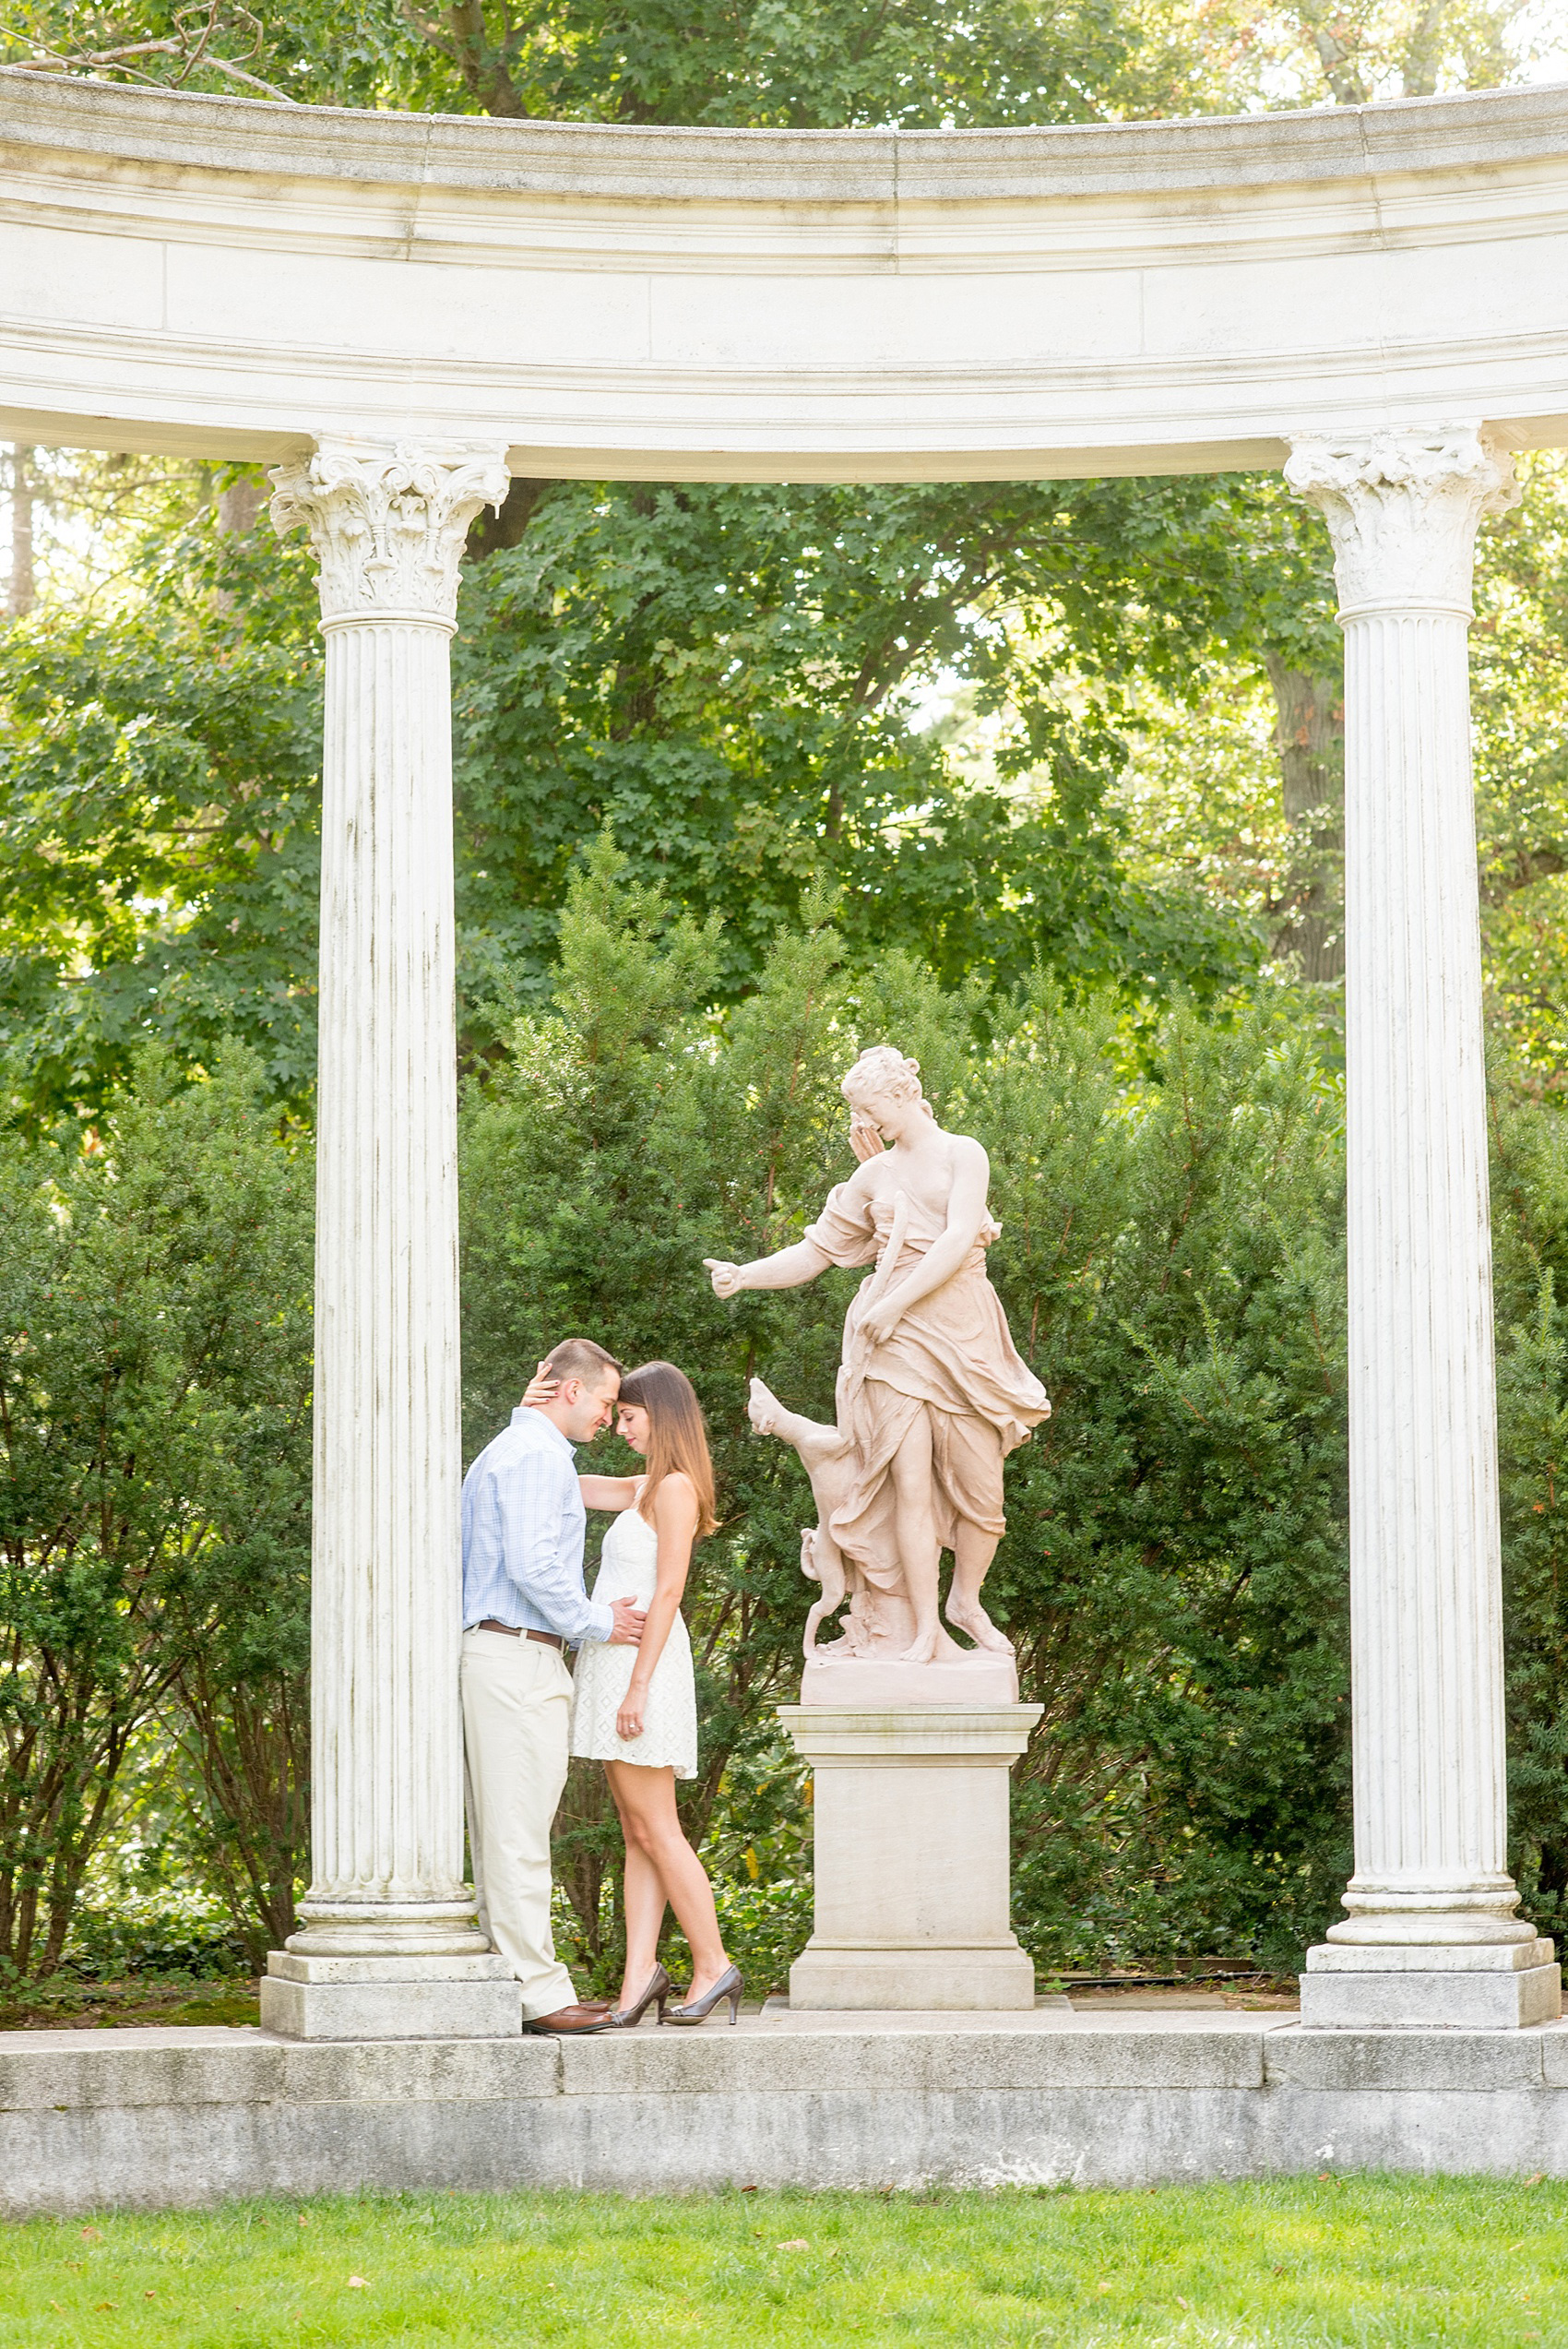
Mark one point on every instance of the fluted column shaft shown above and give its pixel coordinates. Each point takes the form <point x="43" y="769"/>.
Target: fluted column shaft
<point x="1431" y="1819"/>
<point x="387" y="1800"/>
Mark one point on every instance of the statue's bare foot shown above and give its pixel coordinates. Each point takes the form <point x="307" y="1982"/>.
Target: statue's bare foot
<point x="971" y="1617"/>
<point x="764" y="1408"/>
<point x="924" y="1648"/>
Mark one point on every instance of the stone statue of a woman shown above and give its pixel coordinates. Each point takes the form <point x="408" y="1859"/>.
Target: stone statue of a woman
<point x="932" y="1394"/>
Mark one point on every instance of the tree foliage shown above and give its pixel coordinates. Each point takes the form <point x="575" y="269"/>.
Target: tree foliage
<point x="161" y="822"/>
<point x="154" y="1445"/>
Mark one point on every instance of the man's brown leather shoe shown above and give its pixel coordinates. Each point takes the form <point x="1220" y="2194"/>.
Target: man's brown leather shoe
<point x="570" y="2019"/>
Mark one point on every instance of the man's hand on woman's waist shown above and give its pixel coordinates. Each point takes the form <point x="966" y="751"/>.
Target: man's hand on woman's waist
<point x="627" y="1620"/>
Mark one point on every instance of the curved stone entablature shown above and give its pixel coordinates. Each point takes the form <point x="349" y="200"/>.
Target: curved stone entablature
<point x="231" y="276"/>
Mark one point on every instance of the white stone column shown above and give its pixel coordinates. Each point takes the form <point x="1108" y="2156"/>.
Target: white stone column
<point x="1430" y="1935"/>
<point x="389" y="1945"/>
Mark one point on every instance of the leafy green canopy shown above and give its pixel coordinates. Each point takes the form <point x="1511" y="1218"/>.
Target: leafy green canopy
<point x="160" y="824"/>
<point x="790" y="64"/>
<point x="731" y="678"/>
<point x="796" y="64"/>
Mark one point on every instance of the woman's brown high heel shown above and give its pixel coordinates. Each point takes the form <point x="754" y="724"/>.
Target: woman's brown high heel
<point x="729" y="1985"/>
<point x="628" y="2018"/>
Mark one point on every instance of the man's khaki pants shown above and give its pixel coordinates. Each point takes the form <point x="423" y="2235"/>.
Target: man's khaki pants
<point x="516" y="1717"/>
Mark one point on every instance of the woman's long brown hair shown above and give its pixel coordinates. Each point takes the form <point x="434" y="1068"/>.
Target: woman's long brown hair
<point x="677" y="1436"/>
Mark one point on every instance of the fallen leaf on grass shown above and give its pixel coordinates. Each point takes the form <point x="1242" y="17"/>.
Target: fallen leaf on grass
<point x="91" y="2235"/>
<point x="359" y="2284"/>
<point x="1183" y="2304"/>
<point x="796" y="2243"/>
<point x="1105" y="2287"/>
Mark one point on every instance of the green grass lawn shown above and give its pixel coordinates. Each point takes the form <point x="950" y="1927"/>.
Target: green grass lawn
<point x="1359" y="2259"/>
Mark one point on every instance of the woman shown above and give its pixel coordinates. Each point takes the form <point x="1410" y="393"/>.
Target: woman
<point x="635" y="1709"/>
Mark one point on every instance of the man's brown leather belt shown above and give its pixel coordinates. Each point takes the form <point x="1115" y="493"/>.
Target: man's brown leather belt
<point x="514" y="1631"/>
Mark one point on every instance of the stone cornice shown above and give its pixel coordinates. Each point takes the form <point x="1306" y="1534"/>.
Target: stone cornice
<point x="576" y="161"/>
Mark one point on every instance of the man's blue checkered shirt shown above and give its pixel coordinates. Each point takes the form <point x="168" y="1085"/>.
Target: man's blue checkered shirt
<point x="523" y="1527"/>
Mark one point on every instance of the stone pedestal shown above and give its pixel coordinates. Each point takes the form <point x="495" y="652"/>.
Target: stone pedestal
<point x="910" y="1808"/>
<point x="389" y="1946"/>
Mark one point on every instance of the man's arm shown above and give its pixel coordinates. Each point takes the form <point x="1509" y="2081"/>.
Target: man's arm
<point x="531" y="1494"/>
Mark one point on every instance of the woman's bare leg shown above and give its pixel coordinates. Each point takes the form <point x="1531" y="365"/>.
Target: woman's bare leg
<point x="972" y="1553"/>
<point x="915" y="1520"/>
<point x="645" y="1800"/>
<point x="644" y="1904"/>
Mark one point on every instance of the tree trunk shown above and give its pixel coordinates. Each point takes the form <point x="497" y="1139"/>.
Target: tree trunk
<point x="240" y="504"/>
<point x="1310" y="740"/>
<point x="490" y="533"/>
<point x="22" y="593"/>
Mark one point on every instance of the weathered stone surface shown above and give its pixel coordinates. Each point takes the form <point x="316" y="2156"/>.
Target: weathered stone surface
<point x="399" y="2009"/>
<point x="1430" y="1957"/>
<point x="657" y="2063"/>
<point x="40" y="2070"/>
<point x="145" y="2119"/>
<point x="1405" y="2060"/>
<point x="1459" y="2000"/>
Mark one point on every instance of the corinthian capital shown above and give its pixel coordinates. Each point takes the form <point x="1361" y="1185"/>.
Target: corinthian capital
<point x="1403" y="505"/>
<point x="388" y="524"/>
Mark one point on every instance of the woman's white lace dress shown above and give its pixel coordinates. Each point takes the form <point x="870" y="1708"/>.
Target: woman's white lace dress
<point x="628" y="1569"/>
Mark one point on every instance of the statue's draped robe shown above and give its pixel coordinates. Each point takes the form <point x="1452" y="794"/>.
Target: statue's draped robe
<point x="952" y="1356"/>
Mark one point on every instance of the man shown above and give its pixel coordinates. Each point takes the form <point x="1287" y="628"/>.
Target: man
<point x="524" y="1602"/>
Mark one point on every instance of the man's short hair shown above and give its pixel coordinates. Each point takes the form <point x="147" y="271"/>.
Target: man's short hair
<point x="580" y="1358"/>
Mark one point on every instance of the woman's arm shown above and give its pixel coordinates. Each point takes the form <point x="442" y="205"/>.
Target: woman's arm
<point x="790" y="1268"/>
<point x="966" y="1215"/>
<point x="675" y="1522"/>
<point x="608" y="1492"/>
<point x="598" y="1491"/>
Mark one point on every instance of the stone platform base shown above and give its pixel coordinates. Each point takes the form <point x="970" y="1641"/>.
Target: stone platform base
<point x="862" y="1684"/>
<point x="161" y="2118"/>
<point x="919" y="1981"/>
<point x="1475" y="1987"/>
<point x="411" y="1997"/>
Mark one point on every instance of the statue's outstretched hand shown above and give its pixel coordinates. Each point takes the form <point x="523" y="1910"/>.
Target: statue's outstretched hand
<point x="726" y="1278"/>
